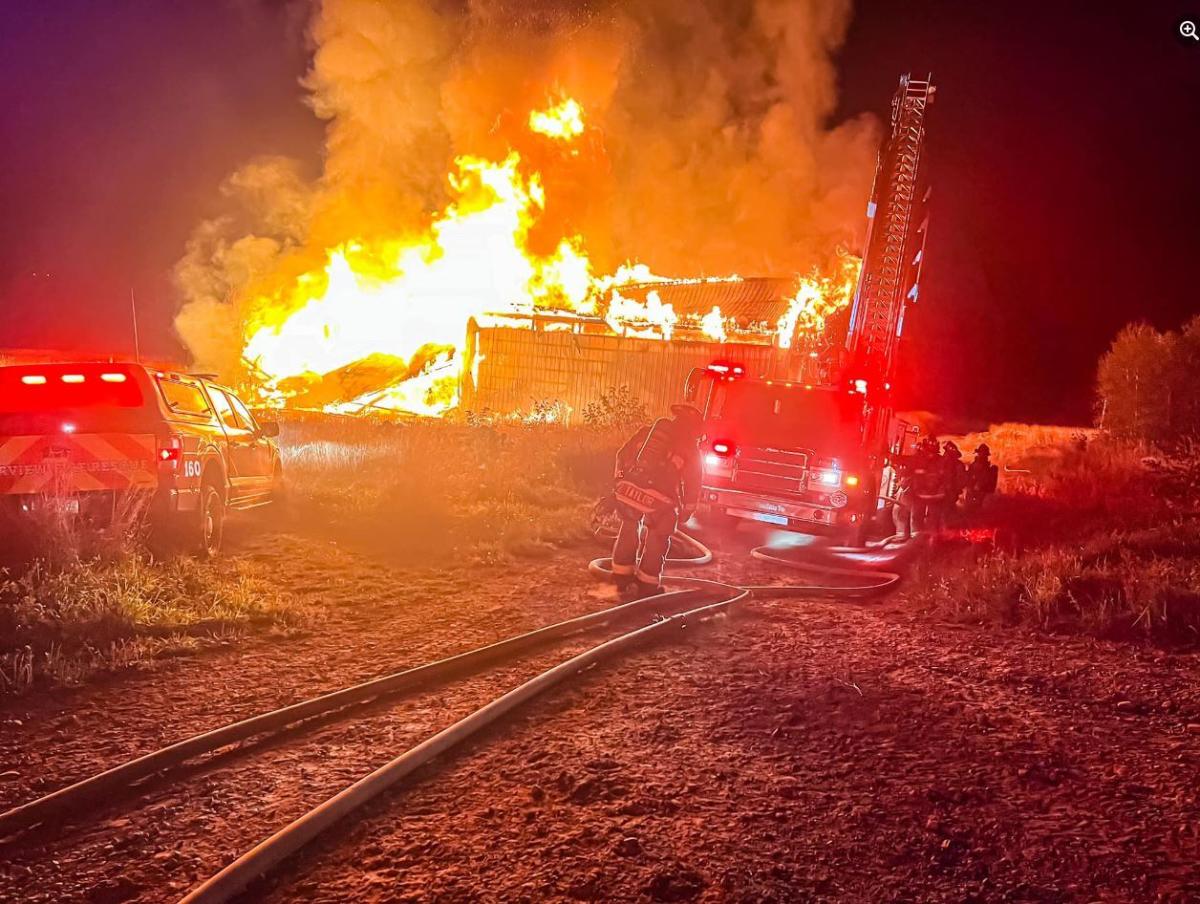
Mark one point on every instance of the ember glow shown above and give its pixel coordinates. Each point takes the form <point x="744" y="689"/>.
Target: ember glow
<point x="402" y="307"/>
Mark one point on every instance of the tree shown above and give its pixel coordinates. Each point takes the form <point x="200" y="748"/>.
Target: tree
<point x="1137" y="381"/>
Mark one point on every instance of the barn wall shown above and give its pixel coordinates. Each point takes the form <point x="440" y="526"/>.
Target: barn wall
<point x="515" y="369"/>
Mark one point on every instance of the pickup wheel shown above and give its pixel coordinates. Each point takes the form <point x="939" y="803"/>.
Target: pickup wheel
<point x="210" y="530"/>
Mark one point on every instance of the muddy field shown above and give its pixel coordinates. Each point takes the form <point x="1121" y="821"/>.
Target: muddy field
<point x="798" y="750"/>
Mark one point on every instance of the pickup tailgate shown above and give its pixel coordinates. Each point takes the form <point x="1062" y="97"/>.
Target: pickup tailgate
<point x="77" y="463"/>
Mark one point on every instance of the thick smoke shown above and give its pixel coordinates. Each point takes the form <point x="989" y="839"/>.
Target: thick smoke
<point x="709" y="149"/>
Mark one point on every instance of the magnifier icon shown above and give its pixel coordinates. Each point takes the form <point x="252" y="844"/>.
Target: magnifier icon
<point x="1187" y="28"/>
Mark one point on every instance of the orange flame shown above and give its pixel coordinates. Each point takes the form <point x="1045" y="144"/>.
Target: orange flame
<point x="562" y="122"/>
<point x="817" y="298"/>
<point x="410" y="300"/>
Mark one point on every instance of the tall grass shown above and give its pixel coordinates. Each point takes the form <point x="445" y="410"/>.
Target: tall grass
<point x="1092" y="535"/>
<point x="79" y="598"/>
<point x="435" y="490"/>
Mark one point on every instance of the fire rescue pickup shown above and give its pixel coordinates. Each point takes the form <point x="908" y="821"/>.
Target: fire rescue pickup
<point x="80" y="438"/>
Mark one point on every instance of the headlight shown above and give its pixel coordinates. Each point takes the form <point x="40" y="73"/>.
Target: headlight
<point x="829" y="478"/>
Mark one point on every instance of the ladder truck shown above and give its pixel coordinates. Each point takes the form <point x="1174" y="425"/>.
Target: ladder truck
<point x="815" y="456"/>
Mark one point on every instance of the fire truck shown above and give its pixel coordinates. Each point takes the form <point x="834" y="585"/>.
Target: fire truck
<point x="812" y="451"/>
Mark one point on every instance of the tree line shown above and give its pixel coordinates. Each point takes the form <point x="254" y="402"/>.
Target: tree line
<point x="1147" y="382"/>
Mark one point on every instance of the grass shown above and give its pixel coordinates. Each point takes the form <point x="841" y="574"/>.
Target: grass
<point x="440" y="491"/>
<point x="77" y="601"/>
<point x="1089" y="535"/>
<point x="83" y="601"/>
<point x="64" y="624"/>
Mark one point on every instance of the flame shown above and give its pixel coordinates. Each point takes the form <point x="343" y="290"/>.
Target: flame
<point x="625" y="315"/>
<point x="399" y="297"/>
<point x="562" y="122"/>
<point x="409" y="300"/>
<point x="712" y="325"/>
<point x="817" y="298"/>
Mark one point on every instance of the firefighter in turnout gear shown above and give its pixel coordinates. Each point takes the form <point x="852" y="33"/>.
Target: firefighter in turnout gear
<point x="982" y="477"/>
<point x="928" y="485"/>
<point x="658" y="477"/>
<point x="954" y="477"/>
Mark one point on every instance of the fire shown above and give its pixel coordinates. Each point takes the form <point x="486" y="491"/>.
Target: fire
<point x="398" y="309"/>
<point x="818" y="298"/>
<point x="712" y="325"/>
<point x="656" y="320"/>
<point x="562" y="122"/>
<point x="398" y="298"/>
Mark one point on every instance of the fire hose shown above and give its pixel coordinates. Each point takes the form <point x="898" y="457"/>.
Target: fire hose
<point x="699" y="600"/>
<point x="604" y="514"/>
<point x="702" y="555"/>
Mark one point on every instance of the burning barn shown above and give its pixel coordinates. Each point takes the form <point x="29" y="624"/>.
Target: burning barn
<point x="559" y="364"/>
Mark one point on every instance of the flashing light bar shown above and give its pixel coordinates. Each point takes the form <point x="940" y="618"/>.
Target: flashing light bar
<point x="72" y="378"/>
<point x="722" y="367"/>
<point x="34" y="380"/>
<point x="113" y="378"/>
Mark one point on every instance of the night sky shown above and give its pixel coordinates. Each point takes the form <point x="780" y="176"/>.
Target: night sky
<point x="1064" y="145"/>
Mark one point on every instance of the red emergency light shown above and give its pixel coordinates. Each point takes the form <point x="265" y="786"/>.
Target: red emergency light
<point x="727" y="369"/>
<point x="724" y="448"/>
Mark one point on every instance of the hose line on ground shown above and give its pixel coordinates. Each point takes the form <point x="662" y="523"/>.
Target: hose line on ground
<point x="702" y="555"/>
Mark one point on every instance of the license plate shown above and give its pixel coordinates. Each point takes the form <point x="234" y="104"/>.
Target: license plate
<point x="765" y="517"/>
<point x="60" y="506"/>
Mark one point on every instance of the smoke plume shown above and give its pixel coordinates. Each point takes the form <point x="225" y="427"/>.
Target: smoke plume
<point x="709" y="148"/>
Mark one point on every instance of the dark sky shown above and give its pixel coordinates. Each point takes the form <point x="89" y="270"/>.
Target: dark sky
<point x="1064" y="145"/>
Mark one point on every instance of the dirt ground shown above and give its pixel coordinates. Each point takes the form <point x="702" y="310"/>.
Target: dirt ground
<point x="798" y="750"/>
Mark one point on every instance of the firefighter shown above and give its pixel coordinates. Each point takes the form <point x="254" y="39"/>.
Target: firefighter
<point x="954" y="476"/>
<point x="658" y="475"/>
<point x="902" y="508"/>
<point x="982" y="476"/>
<point x="928" y="485"/>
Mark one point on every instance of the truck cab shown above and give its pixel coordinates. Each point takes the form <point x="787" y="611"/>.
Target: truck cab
<point x="793" y="454"/>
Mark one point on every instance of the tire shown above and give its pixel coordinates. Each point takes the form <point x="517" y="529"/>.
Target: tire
<point x="210" y="523"/>
<point x="279" y="490"/>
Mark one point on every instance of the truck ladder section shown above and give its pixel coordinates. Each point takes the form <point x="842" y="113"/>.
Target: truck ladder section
<point x="895" y="239"/>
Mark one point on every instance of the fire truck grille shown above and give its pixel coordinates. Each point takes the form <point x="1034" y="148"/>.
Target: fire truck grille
<point x="771" y="471"/>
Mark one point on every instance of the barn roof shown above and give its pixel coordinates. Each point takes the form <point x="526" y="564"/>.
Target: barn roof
<point x="747" y="300"/>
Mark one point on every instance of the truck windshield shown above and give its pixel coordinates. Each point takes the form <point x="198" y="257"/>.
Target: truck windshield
<point x="823" y="421"/>
<point x="75" y="398"/>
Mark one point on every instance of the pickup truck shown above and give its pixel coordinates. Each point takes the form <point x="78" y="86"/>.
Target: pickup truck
<point x="83" y="437"/>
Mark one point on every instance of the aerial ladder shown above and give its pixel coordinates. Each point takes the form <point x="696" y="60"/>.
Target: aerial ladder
<point x="890" y="279"/>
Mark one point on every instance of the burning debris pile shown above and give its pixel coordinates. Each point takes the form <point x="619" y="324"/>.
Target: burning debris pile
<point x="580" y="155"/>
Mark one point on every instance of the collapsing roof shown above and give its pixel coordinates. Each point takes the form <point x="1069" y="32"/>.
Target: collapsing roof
<point x="754" y="300"/>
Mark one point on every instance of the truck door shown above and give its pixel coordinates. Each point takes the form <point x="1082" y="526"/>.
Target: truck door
<point x="244" y="447"/>
<point x="263" y="460"/>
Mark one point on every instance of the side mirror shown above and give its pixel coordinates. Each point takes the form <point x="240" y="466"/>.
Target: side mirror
<point x="269" y="428"/>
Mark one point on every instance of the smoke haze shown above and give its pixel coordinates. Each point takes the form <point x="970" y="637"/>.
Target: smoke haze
<point x="708" y="151"/>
